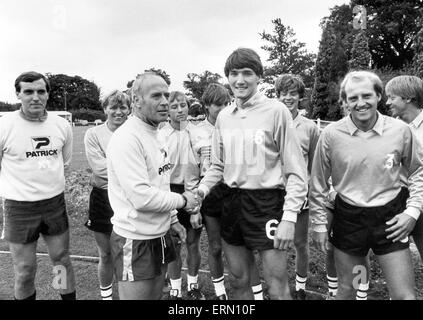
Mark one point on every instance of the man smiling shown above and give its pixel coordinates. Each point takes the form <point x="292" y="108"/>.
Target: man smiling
<point x="365" y="154"/>
<point x="290" y="90"/>
<point x="405" y="100"/>
<point x="116" y="107"/>
<point x="256" y="151"/>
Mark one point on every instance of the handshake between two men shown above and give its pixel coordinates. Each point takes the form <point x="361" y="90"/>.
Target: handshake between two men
<point x="193" y="205"/>
<point x="283" y="234"/>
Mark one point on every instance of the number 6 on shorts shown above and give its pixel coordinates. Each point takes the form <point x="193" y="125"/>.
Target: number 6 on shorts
<point x="271" y="227"/>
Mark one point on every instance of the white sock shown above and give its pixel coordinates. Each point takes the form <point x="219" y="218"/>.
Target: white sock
<point x="192" y="282"/>
<point x="176" y="285"/>
<point x="300" y="282"/>
<point x="219" y="286"/>
<point x="362" y="291"/>
<point x="332" y="285"/>
<point x="258" y="292"/>
<point x="106" y="292"/>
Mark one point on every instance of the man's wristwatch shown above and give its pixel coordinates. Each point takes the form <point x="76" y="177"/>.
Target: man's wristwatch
<point x="185" y="201"/>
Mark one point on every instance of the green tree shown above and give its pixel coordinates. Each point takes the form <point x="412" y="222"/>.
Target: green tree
<point x="5" y="106"/>
<point x="341" y="20"/>
<point x="360" y="55"/>
<point x="159" y="72"/>
<point x="72" y="93"/>
<point x="286" y="55"/>
<point x="331" y="66"/>
<point x="418" y="50"/>
<point x="391" y="29"/>
<point x="197" y="83"/>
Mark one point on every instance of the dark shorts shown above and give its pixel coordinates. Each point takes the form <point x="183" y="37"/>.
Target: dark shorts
<point x="212" y="205"/>
<point x="418" y="228"/>
<point x="136" y="260"/>
<point x="25" y="220"/>
<point x="99" y="212"/>
<point x="250" y="217"/>
<point x="183" y="216"/>
<point x="355" y="230"/>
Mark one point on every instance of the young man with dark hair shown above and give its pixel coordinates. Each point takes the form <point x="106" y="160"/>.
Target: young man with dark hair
<point x="256" y="152"/>
<point x="405" y="100"/>
<point x="35" y="147"/>
<point x="215" y="98"/>
<point x="365" y="154"/>
<point x="290" y="90"/>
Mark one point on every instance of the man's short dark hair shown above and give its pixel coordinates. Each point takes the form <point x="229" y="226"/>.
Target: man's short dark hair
<point x="217" y="94"/>
<point x="289" y="82"/>
<point x="244" y="58"/>
<point x="196" y="109"/>
<point x="30" y="76"/>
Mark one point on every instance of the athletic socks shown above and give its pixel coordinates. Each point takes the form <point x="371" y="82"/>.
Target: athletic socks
<point x="300" y="282"/>
<point x="69" y="296"/>
<point x="192" y="282"/>
<point x="176" y="286"/>
<point x="31" y="297"/>
<point x="106" y="292"/>
<point x="258" y="292"/>
<point x="332" y="285"/>
<point x="219" y="286"/>
<point x="362" y="291"/>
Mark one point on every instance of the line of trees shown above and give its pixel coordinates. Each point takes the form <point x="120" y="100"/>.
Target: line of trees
<point x="391" y="44"/>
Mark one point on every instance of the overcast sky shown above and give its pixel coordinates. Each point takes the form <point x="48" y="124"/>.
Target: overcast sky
<point x="111" y="41"/>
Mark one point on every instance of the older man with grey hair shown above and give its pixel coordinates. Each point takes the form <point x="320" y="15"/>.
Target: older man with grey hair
<point x="139" y="192"/>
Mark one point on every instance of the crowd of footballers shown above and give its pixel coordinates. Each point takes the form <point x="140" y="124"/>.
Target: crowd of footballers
<point x="255" y="173"/>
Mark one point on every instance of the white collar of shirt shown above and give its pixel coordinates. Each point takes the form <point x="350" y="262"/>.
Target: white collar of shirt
<point x="207" y="122"/>
<point x="297" y="121"/>
<point x="106" y="124"/>
<point x="171" y="129"/>
<point x="204" y="123"/>
<point x="417" y="121"/>
<point x="41" y="118"/>
<point x="145" y="124"/>
<point x="256" y="99"/>
<point x="378" y="127"/>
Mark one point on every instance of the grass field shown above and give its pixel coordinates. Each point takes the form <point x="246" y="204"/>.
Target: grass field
<point x="83" y="244"/>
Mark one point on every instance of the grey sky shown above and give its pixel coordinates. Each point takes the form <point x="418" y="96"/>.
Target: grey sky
<point x="109" y="42"/>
